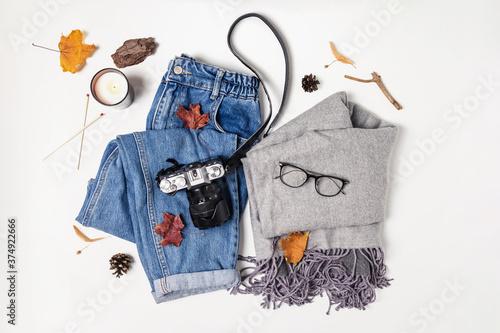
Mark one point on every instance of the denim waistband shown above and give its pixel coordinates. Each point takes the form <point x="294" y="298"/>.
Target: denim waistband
<point x="186" y="70"/>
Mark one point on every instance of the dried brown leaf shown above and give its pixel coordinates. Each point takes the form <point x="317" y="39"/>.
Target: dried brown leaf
<point x="340" y="57"/>
<point x="170" y="230"/>
<point x="192" y="118"/>
<point x="83" y="237"/>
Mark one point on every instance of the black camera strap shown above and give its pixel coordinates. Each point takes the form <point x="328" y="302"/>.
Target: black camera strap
<point x="241" y="152"/>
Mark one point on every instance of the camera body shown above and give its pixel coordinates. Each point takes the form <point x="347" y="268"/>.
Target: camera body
<point x="193" y="175"/>
<point x="207" y="206"/>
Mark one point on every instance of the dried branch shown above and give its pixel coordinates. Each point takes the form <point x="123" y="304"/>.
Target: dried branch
<point x="376" y="78"/>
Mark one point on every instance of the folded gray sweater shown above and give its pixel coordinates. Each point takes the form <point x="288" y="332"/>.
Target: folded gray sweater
<point x="343" y="256"/>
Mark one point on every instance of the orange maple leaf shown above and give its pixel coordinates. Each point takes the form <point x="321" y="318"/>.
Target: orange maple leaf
<point x="170" y="230"/>
<point x="294" y="246"/>
<point x="339" y="57"/>
<point x="73" y="51"/>
<point x="192" y="118"/>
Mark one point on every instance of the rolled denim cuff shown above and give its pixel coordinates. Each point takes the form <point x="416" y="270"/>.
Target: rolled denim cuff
<point x="176" y="286"/>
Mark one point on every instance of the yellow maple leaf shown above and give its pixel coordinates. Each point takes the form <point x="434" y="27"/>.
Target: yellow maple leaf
<point x="73" y="51"/>
<point x="294" y="246"/>
<point x="339" y="57"/>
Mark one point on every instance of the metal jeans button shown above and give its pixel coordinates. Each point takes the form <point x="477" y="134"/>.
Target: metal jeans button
<point x="178" y="70"/>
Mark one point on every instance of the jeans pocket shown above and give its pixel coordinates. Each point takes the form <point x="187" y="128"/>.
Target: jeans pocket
<point x="240" y="116"/>
<point x="163" y="105"/>
<point x="186" y="96"/>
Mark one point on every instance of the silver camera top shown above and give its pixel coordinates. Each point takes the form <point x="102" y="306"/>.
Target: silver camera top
<point x="193" y="175"/>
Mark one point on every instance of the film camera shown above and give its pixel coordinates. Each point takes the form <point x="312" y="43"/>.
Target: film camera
<point x="207" y="206"/>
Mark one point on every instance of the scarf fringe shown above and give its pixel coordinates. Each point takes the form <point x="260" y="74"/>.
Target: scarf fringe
<point x="319" y="271"/>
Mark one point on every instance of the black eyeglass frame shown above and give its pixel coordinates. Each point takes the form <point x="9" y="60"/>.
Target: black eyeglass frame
<point x="309" y="174"/>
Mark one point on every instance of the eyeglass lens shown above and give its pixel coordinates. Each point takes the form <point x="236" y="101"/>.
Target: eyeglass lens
<point x="328" y="186"/>
<point x="292" y="176"/>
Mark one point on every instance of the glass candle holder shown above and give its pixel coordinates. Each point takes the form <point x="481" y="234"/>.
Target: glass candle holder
<point x="111" y="87"/>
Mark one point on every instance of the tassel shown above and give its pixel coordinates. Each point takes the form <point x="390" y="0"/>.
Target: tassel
<point x="333" y="272"/>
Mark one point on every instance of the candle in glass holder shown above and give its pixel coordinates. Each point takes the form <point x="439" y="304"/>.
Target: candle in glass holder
<point x="110" y="87"/>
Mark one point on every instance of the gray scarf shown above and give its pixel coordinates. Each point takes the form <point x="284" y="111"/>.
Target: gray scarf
<point x="343" y="256"/>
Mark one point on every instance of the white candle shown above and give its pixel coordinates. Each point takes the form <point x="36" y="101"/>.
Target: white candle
<point x="110" y="87"/>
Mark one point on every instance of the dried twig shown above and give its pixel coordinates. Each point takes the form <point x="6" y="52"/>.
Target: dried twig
<point x="376" y="78"/>
<point x="83" y="133"/>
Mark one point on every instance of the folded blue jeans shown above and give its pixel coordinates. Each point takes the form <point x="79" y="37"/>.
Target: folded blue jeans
<point x="123" y="199"/>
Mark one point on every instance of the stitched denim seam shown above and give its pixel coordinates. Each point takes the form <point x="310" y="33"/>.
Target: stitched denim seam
<point x="210" y="89"/>
<point x="97" y="192"/>
<point x="170" y="122"/>
<point x="215" y="111"/>
<point x="164" y="285"/>
<point x="217" y="84"/>
<point x="215" y="67"/>
<point x="212" y="280"/>
<point x="237" y="199"/>
<point x="190" y="84"/>
<point x="223" y="80"/>
<point x="235" y="233"/>
<point x="149" y="199"/>
<point x="158" y="106"/>
<point x="171" y="110"/>
<point x="238" y="84"/>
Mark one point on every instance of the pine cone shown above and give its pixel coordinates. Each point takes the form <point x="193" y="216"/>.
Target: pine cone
<point x="310" y="83"/>
<point x="120" y="263"/>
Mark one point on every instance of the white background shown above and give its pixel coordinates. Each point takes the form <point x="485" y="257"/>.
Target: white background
<point x="441" y="232"/>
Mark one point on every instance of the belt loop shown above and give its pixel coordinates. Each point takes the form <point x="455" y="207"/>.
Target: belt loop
<point x="218" y="79"/>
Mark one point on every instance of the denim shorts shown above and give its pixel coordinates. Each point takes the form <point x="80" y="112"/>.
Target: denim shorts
<point x="123" y="199"/>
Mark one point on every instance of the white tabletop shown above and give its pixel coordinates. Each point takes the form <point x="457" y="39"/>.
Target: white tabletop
<point x="440" y="61"/>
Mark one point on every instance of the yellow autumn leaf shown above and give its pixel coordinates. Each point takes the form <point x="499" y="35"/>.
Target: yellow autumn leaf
<point x="339" y="57"/>
<point x="294" y="246"/>
<point x="73" y="51"/>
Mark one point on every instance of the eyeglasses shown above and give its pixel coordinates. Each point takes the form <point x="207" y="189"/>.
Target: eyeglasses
<point x="327" y="186"/>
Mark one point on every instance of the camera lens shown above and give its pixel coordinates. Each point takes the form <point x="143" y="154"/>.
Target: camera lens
<point x="164" y="184"/>
<point x="208" y="209"/>
<point x="215" y="172"/>
<point x="181" y="181"/>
